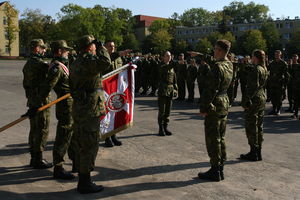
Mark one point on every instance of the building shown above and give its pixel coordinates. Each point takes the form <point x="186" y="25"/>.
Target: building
<point x="286" y="28"/>
<point x="143" y="23"/>
<point x="4" y="48"/>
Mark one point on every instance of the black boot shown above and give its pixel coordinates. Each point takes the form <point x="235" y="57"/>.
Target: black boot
<point x="85" y="185"/>
<point x="221" y="168"/>
<point x="161" y="131"/>
<point x="259" y="157"/>
<point x="251" y="156"/>
<point x="167" y="130"/>
<point x="278" y="110"/>
<point x="74" y="167"/>
<point x="108" y="142"/>
<point x="272" y="112"/>
<point x="115" y="140"/>
<point x="40" y="163"/>
<point x="213" y="174"/>
<point x="60" y="173"/>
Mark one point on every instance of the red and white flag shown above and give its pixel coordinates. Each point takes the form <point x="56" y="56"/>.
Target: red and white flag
<point x="119" y="102"/>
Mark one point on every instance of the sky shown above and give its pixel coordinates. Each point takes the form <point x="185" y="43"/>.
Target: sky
<point x="158" y="8"/>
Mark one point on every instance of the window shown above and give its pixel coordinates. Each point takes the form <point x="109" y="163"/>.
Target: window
<point x="4" y="20"/>
<point x="6" y="49"/>
<point x="6" y="35"/>
<point x="286" y="36"/>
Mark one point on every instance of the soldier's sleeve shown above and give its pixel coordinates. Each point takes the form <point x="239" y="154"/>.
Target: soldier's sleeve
<point x="175" y="82"/>
<point x="211" y="89"/>
<point x="103" y="59"/>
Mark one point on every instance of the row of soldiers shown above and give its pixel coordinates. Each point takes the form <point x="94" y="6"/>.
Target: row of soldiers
<point x="283" y="78"/>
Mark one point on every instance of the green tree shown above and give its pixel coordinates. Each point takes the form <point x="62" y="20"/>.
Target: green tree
<point x="294" y="44"/>
<point x="130" y="42"/>
<point x="251" y="40"/>
<point x="159" y="25"/>
<point x="197" y="17"/>
<point x="161" y="41"/>
<point x="272" y="37"/>
<point x="179" y="46"/>
<point x="204" y="46"/>
<point x="11" y="29"/>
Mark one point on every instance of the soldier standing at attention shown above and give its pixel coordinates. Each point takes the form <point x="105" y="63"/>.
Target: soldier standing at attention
<point x="190" y="80"/>
<point x="58" y="79"/>
<point x="277" y="82"/>
<point x="254" y="102"/>
<point x="167" y="89"/>
<point x="181" y="73"/>
<point x="88" y="106"/>
<point x="35" y="72"/>
<point x="214" y="104"/>
<point x="295" y="76"/>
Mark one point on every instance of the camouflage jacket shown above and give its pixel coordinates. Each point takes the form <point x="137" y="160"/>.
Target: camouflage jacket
<point x="214" y="99"/>
<point x="279" y="75"/>
<point x="292" y="70"/>
<point x="256" y="81"/>
<point x="116" y="62"/>
<point x="202" y="74"/>
<point x="35" y="72"/>
<point x="86" y="84"/>
<point x="167" y="82"/>
<point x="181" y="70"/>
<point x="191" y="73"/>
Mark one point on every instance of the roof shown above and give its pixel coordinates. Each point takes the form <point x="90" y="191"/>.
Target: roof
<point x="145" y="21"/>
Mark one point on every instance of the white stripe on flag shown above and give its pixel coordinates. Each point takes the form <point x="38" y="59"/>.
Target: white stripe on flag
<point x="122" y="81"/>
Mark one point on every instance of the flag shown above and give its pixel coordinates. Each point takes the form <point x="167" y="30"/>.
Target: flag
<point x="119" y="101"/>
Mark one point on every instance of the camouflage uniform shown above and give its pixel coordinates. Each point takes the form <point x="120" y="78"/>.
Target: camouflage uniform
<point x="254" y="103"/>
<point x="230" y="90"/>
<point x="202" y="76"/>
<point x="277" y="83"/>
<point x="291" y="70"/>
<point x="35" y="72"/>
<point x="167" y="86"/>
<point x="58" y="79"/>
<point x="88" y="104"/>
<point x="190" y="81"/>
<point x="215" y="103"/>
<point x="296" y="87"/>
<point x="181" y="73"/>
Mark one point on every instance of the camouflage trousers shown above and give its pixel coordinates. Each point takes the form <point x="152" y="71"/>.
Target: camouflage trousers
<point x="290" y="92"/>
<point x="39" y="131"/>
<point x="181" y="83"/>
<point x="230" y="93"/>
<point x="215" y="127"/>
<point x="277" y="95"/>
<point x="191" y="89"/>
<point x="164" y="109"/>
<point x="254" y="126"/>
<point x="86" y="140"/>
<point x="64" y="132"/>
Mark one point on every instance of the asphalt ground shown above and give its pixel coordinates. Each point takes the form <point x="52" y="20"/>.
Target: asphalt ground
<point x="147" y="166"/>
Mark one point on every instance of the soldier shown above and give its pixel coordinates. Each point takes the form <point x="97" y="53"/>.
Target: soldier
<point x="116" y="62"/>
<point x="292" y="65"/>
<point x="277" y="82"/>
<point x="58" y="79"/>
<point x="145" y="74"/>
<point x="295" y="77"/>
<point x="202" y="75"/>
<point x="181" y="73"/>
<point x="190" y="80"/>
<point x="35" y="72"/>
<point x="230" y="91"/>
<point x="254" y="102"/>
<point x="214" y="104"/>
<point x="88" y="106"/>
<point x="167" y="89"/>
<point x="154" y="71"/>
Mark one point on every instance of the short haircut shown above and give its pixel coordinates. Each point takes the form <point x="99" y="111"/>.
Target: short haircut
<point x="278" y="51"/>
<point x="108" y="41"/>
<point x="224" y="45"/>
<point x="295" y="55"/>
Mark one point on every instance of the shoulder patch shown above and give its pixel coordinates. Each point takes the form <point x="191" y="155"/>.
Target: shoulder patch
<point x="53" y="69"/>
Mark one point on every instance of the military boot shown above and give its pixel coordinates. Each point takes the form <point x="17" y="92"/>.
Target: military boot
<point x="259" y="157"/>
<point x="167" y="130"/>
<point x="221" y="168"/>
<point x="161" y="131"/>
<point x="272" y="112"/>
<point x="213" y="174"/>
<point x="60" y="173"/>
<point x="74" y="167"/>
<point x="251" y="156"/>
<point x="85" y="185"/>
<point x="108" y="142"/>
<point x="40" y="163"/>
<point x="115" y="140"/>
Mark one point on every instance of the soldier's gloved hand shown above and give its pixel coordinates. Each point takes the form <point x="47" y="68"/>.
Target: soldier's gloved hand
<point x="31" y="112"/>
<point x="175" y="93"/>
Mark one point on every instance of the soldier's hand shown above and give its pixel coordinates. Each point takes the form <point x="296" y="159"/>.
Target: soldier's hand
<point x="31" y="112"/>
<point x="125" y="52"/>
<point x="175" y="94"/>
<point x="194" y="53"/>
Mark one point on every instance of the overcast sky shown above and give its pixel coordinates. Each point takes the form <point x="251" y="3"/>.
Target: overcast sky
<point x="159" y="8"/>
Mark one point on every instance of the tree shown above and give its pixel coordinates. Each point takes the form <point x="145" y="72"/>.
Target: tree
<point x="179" y="46"/>
<point x="11" y="29"/>
<point x="272" y="37"/>
<point x="158" y="25"/>
<point x="204" y="46"/>
<point x="241" y="13"/>
<point x="130" y="42"/>
<point x="250" y="41"/>
<point x="161" y="41"/>
<point x="213" y="37"/>
<point x="197" y="17"/>
<point x="294" y="44"/>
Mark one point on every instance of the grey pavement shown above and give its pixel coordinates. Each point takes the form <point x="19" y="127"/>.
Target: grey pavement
<point x="150" y="167"/>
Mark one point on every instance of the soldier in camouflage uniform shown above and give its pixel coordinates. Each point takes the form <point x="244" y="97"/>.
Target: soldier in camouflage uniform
<point x="254" y="102"/>
<point x="116" y="62"/>
<point x="214" y="104"/>
<point x="181" y="73"/>
<point x="35" y="72"/>
<point x="295" y="77"/>
<point x="88" y="106"/>
<point x="277" y="82"/>
<point x="190" y="80"/>
<point x="292" y="67"/>
<point x="230" y="91"/>
<point x="167" y="89"/>
<point x="202" y="75"/>
<point x="58" y="79"/>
